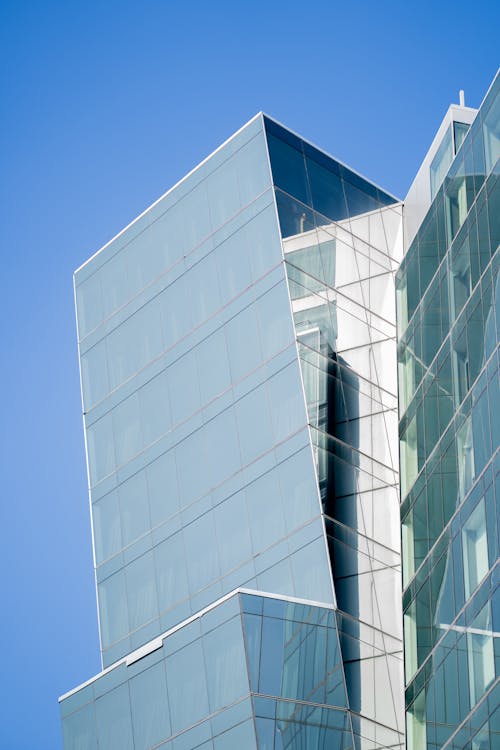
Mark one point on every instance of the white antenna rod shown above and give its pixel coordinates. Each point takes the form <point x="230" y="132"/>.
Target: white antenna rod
<point x="461" y="97"/>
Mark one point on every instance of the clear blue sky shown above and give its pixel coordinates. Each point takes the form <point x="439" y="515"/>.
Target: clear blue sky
<point x="104" y="105"/>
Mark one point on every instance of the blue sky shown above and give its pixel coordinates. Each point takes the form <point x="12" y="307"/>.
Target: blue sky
<point x="105" y="106"/>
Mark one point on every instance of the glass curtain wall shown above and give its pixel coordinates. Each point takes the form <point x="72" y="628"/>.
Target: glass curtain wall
<point x="341" y="251"/>
<point x="448" y="324"/>
<point x="200" y="469"/>
<point x="251" y="672"/>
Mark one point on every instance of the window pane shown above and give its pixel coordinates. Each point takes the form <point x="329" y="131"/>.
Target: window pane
<point x="201" y="553"/>
<point x="441" y="162"/>
<point x="187" y="689"/>
<point x="162" y="488"/>
<point x="475" y="549"/>
<point x="150" y="715"/>
<point x="107" y="528"/>
<point x="101" y="449"/>
<point x="141" y="591"/>
<point x="127" y="429"/>
<point x="134" y="508"/>
<point x="171" y="572"/>
<point x="113" y="609"/>
<point x="226" y="666"/>
<point x="113" y="720"/>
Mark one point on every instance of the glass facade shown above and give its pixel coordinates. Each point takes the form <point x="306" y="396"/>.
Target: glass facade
<point x="194" y="412"/>
<point x="239" y="368"/>
<point x="448" y="292"/>
<point x="250" y="672"/>
<point x="341" y="244"/>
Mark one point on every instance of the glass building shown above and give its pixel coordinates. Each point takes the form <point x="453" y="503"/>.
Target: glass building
<point x="244" y="373"/>
<point x="238" y="361"/>
<point x="448" y="290"/>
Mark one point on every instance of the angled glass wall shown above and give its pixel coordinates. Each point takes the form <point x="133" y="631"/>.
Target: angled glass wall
<point x="342" y="243"/>
<point x="448" y="327"/>
<point x="201" y="472"/>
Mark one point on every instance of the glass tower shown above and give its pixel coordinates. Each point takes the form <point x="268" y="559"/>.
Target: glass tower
<point x="448" y="291"/>
<point x="238" y="359"/>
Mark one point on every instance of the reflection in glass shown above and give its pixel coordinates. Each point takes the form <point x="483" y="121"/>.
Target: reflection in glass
<point x="475" y="549"/>
<point x="441" y="163"/>
<point x="481" y="654"/>
<point x="491" y="131"/>
<point x="415" y="724"/>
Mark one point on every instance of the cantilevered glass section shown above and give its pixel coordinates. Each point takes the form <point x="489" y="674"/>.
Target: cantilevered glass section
<point x="250" y="672"/>
<point x="448" y="320"/>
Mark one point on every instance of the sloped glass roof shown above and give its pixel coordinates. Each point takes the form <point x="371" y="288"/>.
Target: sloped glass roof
<point x="312" y="188"/>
